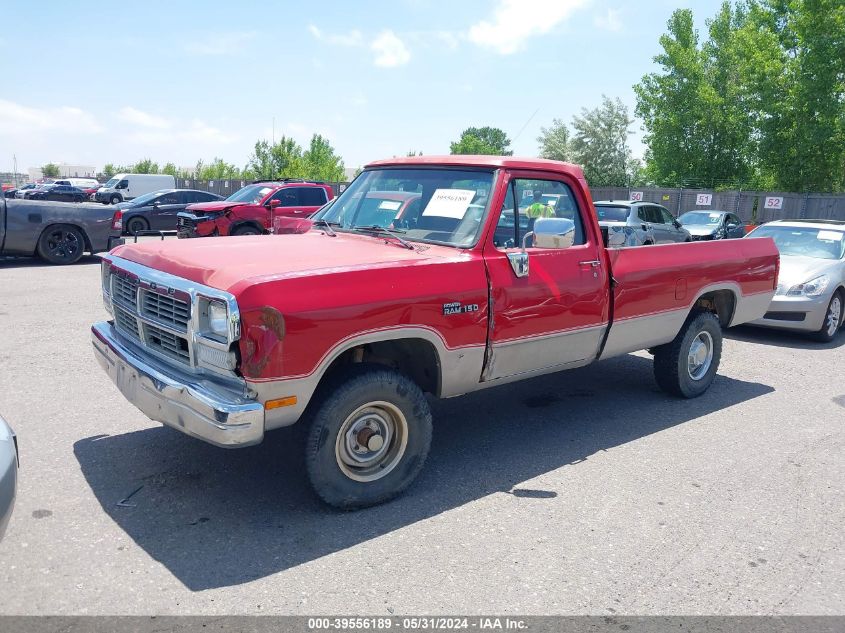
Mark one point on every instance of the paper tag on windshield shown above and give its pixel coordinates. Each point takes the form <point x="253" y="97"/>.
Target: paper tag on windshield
<point x="390" y="205"/>
<point x="715" y="216"/>
<point x="833" y="236"/>
<point x="449" y="203"/>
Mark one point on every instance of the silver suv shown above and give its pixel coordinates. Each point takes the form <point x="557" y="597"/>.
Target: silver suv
<point x="639" y="223"/>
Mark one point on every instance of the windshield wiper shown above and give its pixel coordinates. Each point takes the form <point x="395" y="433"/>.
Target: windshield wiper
<point x="381" y="230"/>
<point x="328" y="226"/>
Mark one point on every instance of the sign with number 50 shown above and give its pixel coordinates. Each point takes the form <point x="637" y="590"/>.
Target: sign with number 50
<point x="636" y="196"/>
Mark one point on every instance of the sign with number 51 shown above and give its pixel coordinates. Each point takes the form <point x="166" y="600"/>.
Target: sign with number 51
<point x="704" y="200"/>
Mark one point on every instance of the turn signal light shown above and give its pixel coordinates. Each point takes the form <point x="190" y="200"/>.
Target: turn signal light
<point x="287" y="401"/>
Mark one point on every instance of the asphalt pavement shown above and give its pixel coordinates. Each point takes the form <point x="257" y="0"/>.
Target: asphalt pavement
<point x="583" y="492"/>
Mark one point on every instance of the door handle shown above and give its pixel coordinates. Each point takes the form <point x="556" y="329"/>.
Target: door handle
<point x="594" y="263"/>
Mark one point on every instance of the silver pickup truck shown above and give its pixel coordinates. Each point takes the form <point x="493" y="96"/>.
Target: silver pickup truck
<point x="58" y="232"/>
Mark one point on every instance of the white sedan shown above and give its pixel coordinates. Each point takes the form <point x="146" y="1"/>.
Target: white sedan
<point x="810" y="294"/>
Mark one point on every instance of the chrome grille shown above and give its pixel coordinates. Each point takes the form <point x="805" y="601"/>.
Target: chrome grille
<point x="167" y="343"/>
<point x="166" y="309"/>
<point x="124" y="289"/>
<point x="126" y="322"/>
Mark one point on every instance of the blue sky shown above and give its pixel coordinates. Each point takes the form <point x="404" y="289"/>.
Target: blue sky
<point x="91" y="82"/>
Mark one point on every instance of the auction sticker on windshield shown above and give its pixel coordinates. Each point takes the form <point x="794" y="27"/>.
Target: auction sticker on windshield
<point x="449" y="203"/>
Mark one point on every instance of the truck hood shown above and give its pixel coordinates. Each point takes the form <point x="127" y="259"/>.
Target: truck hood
<point x="224" y="262"/>
<point x="795" y="270"/>
<point x="219" y="205"/>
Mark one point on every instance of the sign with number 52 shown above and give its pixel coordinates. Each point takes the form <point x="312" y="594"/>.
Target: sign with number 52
<point x="773" y="202"/>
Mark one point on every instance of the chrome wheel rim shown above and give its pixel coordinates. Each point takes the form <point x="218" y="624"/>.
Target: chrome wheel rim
<point x="371" y="441"/>
<point x="834" y="314"/>
<point x="700" y="356"/>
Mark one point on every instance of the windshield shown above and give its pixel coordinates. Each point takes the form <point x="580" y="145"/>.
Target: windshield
<point x="440" y="205"/>
<point x="252" y="194"/>
<point x="806" y="242"/>
<point x="111" y="183"/>
<point x="146" y="198"/>
<point x="700" y="217"/>
<point x="612" y="214"/>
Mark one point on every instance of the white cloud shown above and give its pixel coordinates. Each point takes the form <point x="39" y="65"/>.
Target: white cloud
<point x="204" y="133"/>
<point x="610" y="21"/>
<point x="196" y="131"/>
<point x="144" y="119"/>
<point x="220" y="43"/>
<point x="20" y="119"/>
<point x="390" y="50"/>
<point x="352" y="38"/>
<point x="514" y="22"/>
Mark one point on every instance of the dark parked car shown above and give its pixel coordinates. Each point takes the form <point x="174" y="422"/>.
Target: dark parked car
<point x="712" y="225"/>
<point x="642" y="223"/>
<point x="57" y="193"/>
<point x="157" y="211"/>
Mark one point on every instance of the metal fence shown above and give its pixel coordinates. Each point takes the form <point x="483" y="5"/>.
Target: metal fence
<point x="751" y="206"/>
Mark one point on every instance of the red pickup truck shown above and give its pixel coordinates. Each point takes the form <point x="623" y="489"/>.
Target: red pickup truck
<point x="347" y="325"/>
<point x="252" y="209"/>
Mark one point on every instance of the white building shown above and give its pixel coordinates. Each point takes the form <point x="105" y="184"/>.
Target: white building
<point x="66" y="170"/>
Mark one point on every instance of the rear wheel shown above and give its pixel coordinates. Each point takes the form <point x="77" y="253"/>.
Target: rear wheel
<point x="369" y="437"/>
<point x="687" y="366"/>
<point x="136" y="225"/>
<point x="832" y="319"/>
<point x="61" y="244"/>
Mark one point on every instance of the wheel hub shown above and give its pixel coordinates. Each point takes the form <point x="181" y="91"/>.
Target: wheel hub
<point x="700" y="355"/>
<point x="371" y="441"/>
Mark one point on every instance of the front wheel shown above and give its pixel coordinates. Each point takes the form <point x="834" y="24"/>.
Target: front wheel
<point x="115" y="199"/>
<point x="687" y="366"/>
<point x="245" y="230"/>
<point x="369" y="437"/>
<point x="832" y="319"/>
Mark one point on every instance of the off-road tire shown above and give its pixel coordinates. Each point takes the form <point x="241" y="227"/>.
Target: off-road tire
<point x="337" y="402"/>
<point x="672" y="361"/>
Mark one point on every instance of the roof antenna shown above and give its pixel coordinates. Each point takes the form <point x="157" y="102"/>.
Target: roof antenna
<point x="522" y="129"/>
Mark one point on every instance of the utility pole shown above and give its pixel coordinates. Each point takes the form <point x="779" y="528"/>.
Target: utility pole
<point x="15" y="169"/>
<point x="274" y="130"/>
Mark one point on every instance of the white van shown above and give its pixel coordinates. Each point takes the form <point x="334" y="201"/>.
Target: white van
<point x="123" y="187"/>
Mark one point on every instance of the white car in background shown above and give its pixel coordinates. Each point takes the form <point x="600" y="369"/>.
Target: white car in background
<point x="810" y="294"/>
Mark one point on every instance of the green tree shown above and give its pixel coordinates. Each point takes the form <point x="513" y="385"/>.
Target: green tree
<point x="320" y="161"/>
<point x="218" y="169"/>
<point x="795" y="56"/>
<point x="144" y="166"/>
<point x="109" y="170"/>
<point x="483" y="140"/>
<point x="170" y="169"/>
<point x="554" y="141"/>
<point x="280" y="160"/>
<point x="50" y="170"/>
<point x="600" y="143"/>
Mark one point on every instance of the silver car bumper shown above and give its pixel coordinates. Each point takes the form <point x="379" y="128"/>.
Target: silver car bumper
<point x="198" y="407"/>
<point x="8" y="474"/>
<point x="804" y="314"/>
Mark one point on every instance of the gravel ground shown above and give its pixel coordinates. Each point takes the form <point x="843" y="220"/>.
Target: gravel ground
<point x="584" y="492"/>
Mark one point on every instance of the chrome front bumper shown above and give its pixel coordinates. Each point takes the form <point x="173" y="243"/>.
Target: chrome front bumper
<point x="198" y="407"/>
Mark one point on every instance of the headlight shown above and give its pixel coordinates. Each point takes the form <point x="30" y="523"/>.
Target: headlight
<point x="105" y="273"/>
<point x="218" y="319"/>
<point x="812" y="288"/>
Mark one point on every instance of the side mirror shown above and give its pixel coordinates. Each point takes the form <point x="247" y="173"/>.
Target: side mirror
<point x="275" y="203"/>
<point x="677" y="224"/>
<point x="557" y="233"/>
